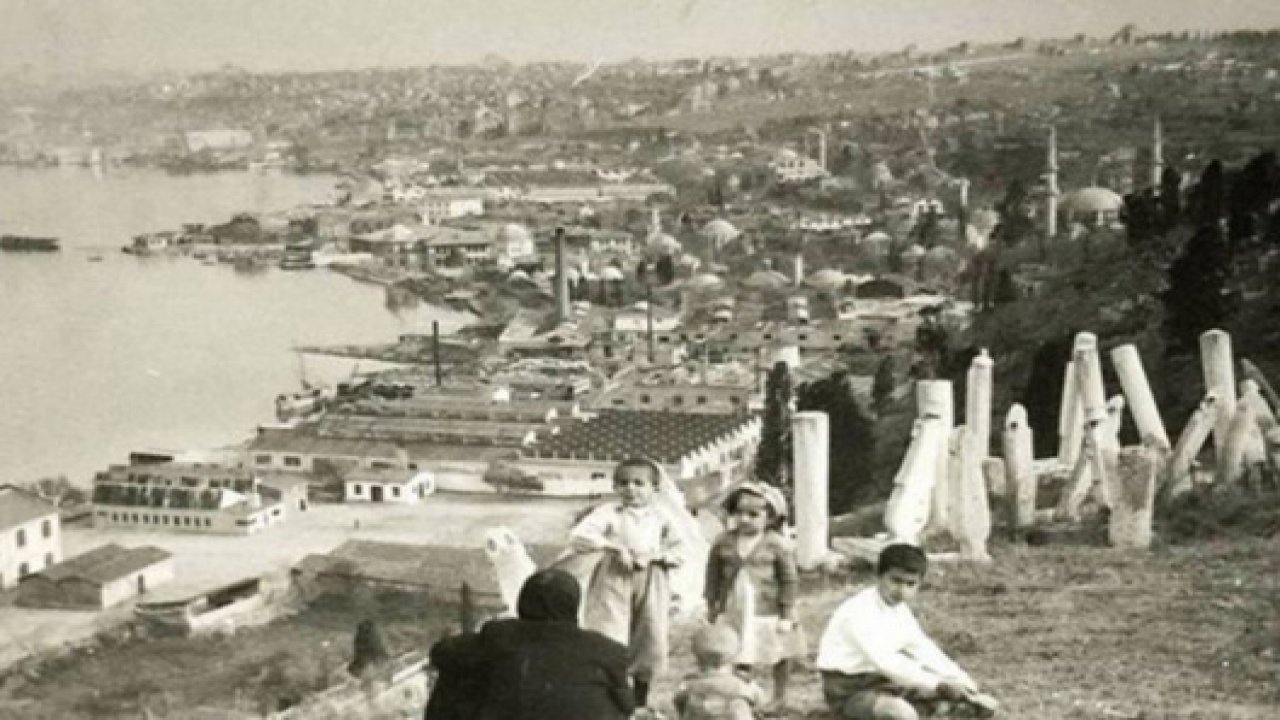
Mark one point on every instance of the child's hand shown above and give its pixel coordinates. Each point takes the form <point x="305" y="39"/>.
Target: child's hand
<point x="625" y="556"/>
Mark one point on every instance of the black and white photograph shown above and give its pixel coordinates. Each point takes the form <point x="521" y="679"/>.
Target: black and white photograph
<point x="639" y="359"/>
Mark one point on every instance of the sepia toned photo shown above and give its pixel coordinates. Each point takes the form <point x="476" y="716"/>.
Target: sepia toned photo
<point x="639" y="360"/>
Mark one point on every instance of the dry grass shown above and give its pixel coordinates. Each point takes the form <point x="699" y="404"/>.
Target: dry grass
<point x="1082" y="632"/>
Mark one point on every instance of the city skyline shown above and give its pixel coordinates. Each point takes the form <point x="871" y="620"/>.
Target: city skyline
<point x="74" y="37"/>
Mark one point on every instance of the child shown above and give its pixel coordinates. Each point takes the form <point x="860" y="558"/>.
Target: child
<point x="715" y="692"/>
<point x="628" y="595"/>
<point x="876" y="661"/>
<point x="751" y="584"/>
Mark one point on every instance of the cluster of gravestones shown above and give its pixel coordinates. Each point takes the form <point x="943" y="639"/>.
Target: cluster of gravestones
<point x="947" y="478"/>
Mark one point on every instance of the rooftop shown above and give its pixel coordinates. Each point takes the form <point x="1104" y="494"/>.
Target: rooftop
<point x="619" y="434"/>
<point x="435" y="567"/>
<point x="18" y="506"/>
<point x="105" y="563"/>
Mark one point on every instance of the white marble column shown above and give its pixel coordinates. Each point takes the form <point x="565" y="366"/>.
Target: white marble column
<point x="1190" y="442"/>
<point x="1231" y="465"/>
<point x="1133" y="489"/>
<point x="972" y="507"/>
<point x="1070" y="420"/>
<point x="1137" y="391"/>
<point x="1018" y="458"/>
<point x="1219" y="379"/>
<point x="1094" y="409"/>
<point x="934" y="398"/>
<point x="977" y="406"/>
<point x="810" y="438"/>
<point x="907" y="512"/>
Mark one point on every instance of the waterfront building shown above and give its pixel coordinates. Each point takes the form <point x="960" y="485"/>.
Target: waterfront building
<point x="721" y="389"/>
<point x="458" y="246"/>
<point x="391" y="485"/>
<point x="184" y="497"/>
<point x="217" y="140"/>
<point x="396" y="245"/>
<point x="98" y="579"/>
<point x="30" y="535"/>
<point x="577" y="457"/>
<point x="446" y="203"/>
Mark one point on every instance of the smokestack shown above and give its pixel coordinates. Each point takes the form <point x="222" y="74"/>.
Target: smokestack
<point x="435" y="350"/>
<point x="562" y="278"/>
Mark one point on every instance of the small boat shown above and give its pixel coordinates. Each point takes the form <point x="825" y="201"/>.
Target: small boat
<point x="95" y="258"/>
<point x="297" y="257"/>
<point x="29" y="243"/>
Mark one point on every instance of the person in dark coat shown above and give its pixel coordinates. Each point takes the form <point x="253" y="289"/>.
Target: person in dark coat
<point x="541" y="665"/>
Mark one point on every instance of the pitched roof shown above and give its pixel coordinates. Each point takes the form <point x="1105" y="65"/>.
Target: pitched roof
<point x="434" y="567"/>
<point x="18" y="506"/>
<point x="105" y="563"/>
<point x="619" y="434"/>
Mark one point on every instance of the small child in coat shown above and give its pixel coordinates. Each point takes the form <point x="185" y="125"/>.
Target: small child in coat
<point x="628" y="596"/>
<point x="751" y="585"/>
<point x="716" y="692"/>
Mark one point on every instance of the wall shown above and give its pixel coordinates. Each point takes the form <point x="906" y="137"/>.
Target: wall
<point x="126" y="588"/>
<point x="201" y="521"/>
<point x="38" y="552"/>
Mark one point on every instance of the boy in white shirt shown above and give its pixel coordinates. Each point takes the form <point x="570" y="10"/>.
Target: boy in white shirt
<point x="876" y="661"/>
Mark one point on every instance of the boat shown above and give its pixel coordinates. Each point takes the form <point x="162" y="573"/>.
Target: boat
<point x="29" y="243"/>
<point x="214" y="610"/>
<point x="297" y="257"/>
<point x="301" y="405"/>
<point x="95" y="258"/>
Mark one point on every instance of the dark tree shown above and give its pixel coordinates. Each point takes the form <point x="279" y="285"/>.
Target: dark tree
<point x="1042" y="396"/>
<point x="852" y="443"/>
<point x="1015" y="222"/>
<point x="370" y="651"/>
<point x="1170" y="199"/>
<point x="882" y="384"/>
<point x="1141" y="218"/>
<point x="665" y="269"/>
<point x="773" y="459"/>
<point x="1006" y="291"/>
<point x="1210" y="196"/>
<point x="1196" y="299"/>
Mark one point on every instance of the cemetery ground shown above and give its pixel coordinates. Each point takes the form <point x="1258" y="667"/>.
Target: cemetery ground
<point x="1061" y="630"/>
<point x="1064" y="632"/>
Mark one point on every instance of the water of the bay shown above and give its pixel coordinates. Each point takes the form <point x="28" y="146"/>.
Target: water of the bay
<point x="101" y="357"/>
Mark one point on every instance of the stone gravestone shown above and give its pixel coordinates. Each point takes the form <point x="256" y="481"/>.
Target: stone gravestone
<point x="810" y="449"/>
<point x="511" y="564"/>
<point x="1019" y="451"/>
<point x="1133" y="489"/>
<point x="907" y="512"/>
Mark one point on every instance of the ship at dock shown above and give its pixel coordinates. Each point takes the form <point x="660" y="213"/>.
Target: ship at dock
<point x="29" y="243"/>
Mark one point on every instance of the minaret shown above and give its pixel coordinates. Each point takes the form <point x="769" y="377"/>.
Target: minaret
<point x="1051" y="183"/>
<point x="1157" y="156"/>
<point x="655" y="223"/>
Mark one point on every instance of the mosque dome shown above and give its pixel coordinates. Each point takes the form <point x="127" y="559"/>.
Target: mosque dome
<point x="720" y="231"/>
<point x="1092" y="200"/>
<point x="664" y="244"/>
<point x="766" y="280"/>
<point x="705" y="281"/>
<point x="826" y="279"/>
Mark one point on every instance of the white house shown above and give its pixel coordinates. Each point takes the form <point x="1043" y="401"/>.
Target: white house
<point x="30" y="535"/>
<point x="390" y="485"/>
<point x="437" y="204"/>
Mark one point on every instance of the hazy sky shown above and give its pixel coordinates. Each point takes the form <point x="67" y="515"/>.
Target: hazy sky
<point x="80" y="35"/>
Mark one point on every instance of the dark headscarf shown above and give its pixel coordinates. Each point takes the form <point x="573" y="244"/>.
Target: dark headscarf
<point x="549" y="596"/>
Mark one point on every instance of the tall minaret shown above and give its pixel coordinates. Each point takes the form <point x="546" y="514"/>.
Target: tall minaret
<point x="1051" y="182"/>
<point x="1157" y="156"/>
<point x="655" y="223"/>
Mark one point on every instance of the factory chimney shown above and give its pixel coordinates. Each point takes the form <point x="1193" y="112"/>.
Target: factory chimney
<point x="562" y="279"/>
